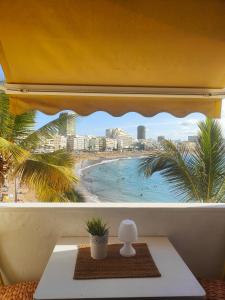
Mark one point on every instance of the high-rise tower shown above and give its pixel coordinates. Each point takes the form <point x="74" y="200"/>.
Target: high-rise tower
<point x="141" y="132"/>
<point x="69" y="126"/>
<point x="108" y="133"/>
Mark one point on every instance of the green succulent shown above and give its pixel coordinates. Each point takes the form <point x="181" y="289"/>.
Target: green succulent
<point x="95" y="226"/>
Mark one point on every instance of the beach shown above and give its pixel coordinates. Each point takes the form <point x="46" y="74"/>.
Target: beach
<point x="83" y="161"/>
<point x="83" y="156"/>
<point x="87" y="159"/>
<point x="117" y="179"/>
<point x="24" y="194"/>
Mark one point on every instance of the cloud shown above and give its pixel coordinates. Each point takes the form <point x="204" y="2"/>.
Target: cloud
<point x="189" y="123"/>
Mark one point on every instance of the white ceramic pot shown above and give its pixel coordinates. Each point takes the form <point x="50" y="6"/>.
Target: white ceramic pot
<point x="98" y="245"/>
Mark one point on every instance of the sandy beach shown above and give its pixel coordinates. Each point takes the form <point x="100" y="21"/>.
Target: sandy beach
<point x="108" y="155"/>
<point x="23" y="194"/>
<point x="82" y="160"/>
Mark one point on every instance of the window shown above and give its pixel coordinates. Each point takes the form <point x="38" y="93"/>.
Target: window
<point x="107" y="152"/>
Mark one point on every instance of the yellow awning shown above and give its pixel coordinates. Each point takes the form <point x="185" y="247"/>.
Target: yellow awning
<point x="105" y="43"/>
<point x="116" y="105"/>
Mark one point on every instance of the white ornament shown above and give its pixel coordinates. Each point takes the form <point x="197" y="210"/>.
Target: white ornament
<point x="128" y="234"/>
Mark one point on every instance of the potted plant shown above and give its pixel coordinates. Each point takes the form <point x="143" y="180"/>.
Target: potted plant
<point x="98" y="237"/>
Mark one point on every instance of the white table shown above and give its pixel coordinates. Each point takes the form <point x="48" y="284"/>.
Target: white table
<point x="176" y="282"/>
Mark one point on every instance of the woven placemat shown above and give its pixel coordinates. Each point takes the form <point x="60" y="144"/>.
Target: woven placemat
<point x="115" y="265"/>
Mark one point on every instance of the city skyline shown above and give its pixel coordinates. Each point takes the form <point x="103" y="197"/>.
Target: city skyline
<point x="115" y="139"/>
<point x="161" y="124"/>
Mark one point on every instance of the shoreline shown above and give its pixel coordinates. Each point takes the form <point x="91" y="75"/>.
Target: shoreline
<point x="82" y="161"/>
<point x="89" y="161"/>
<point x="81" y="188"/>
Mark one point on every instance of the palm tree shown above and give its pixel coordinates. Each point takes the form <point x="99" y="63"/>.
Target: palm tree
<point x="197" y="175"/>
<point x="49" y="175"/>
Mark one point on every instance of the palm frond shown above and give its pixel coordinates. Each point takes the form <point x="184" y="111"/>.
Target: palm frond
<point x="23" y="126"/>
<point x="5" y="117"/>
<point x="220" y="195"/>
<point x="208" y="161"/>
<point x="60" y="158"/>
<point x="47" y="131"/>
<point x="173" y="163"/>
<point x="50" y="175"/>
<point x="14" y="128"/>
<point x="197" y="175"/>
<point x="47" y="174"/>
<point x="12" y="151"/>
<point x="69" y="196"/>
<point x="73" y="196"/>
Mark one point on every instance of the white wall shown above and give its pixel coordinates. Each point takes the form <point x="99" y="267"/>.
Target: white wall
<point x="28" y="232"/>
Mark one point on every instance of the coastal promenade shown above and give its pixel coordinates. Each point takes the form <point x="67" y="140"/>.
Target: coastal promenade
<point x="83" y="156"/>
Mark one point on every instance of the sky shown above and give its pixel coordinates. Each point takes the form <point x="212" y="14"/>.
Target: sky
<point x="1" y="74"/>
<point x="161" y="124"/>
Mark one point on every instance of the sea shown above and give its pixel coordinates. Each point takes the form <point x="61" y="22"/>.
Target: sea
<point x="119" y="180"/>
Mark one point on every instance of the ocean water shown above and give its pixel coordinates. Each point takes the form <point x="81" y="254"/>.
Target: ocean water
<point x="118" y="180"/>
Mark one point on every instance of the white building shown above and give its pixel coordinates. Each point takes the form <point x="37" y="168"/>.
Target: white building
<point x="101" y="143"/>
<point x="76" y="143"/>
<point x="97" y="144"/>
<point x="60" y="142"/>
<point x="124" y="142"/>
<point x="49" y="145"/>
<point x="70" y="143"/>
<point x="79" y="143"/>
<point x="118" y="132"/>
<point x="148" y="144"/>
<point x="110" y="144"/>
<point x="86" y="143"/>
<point x="123" y="139"/>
